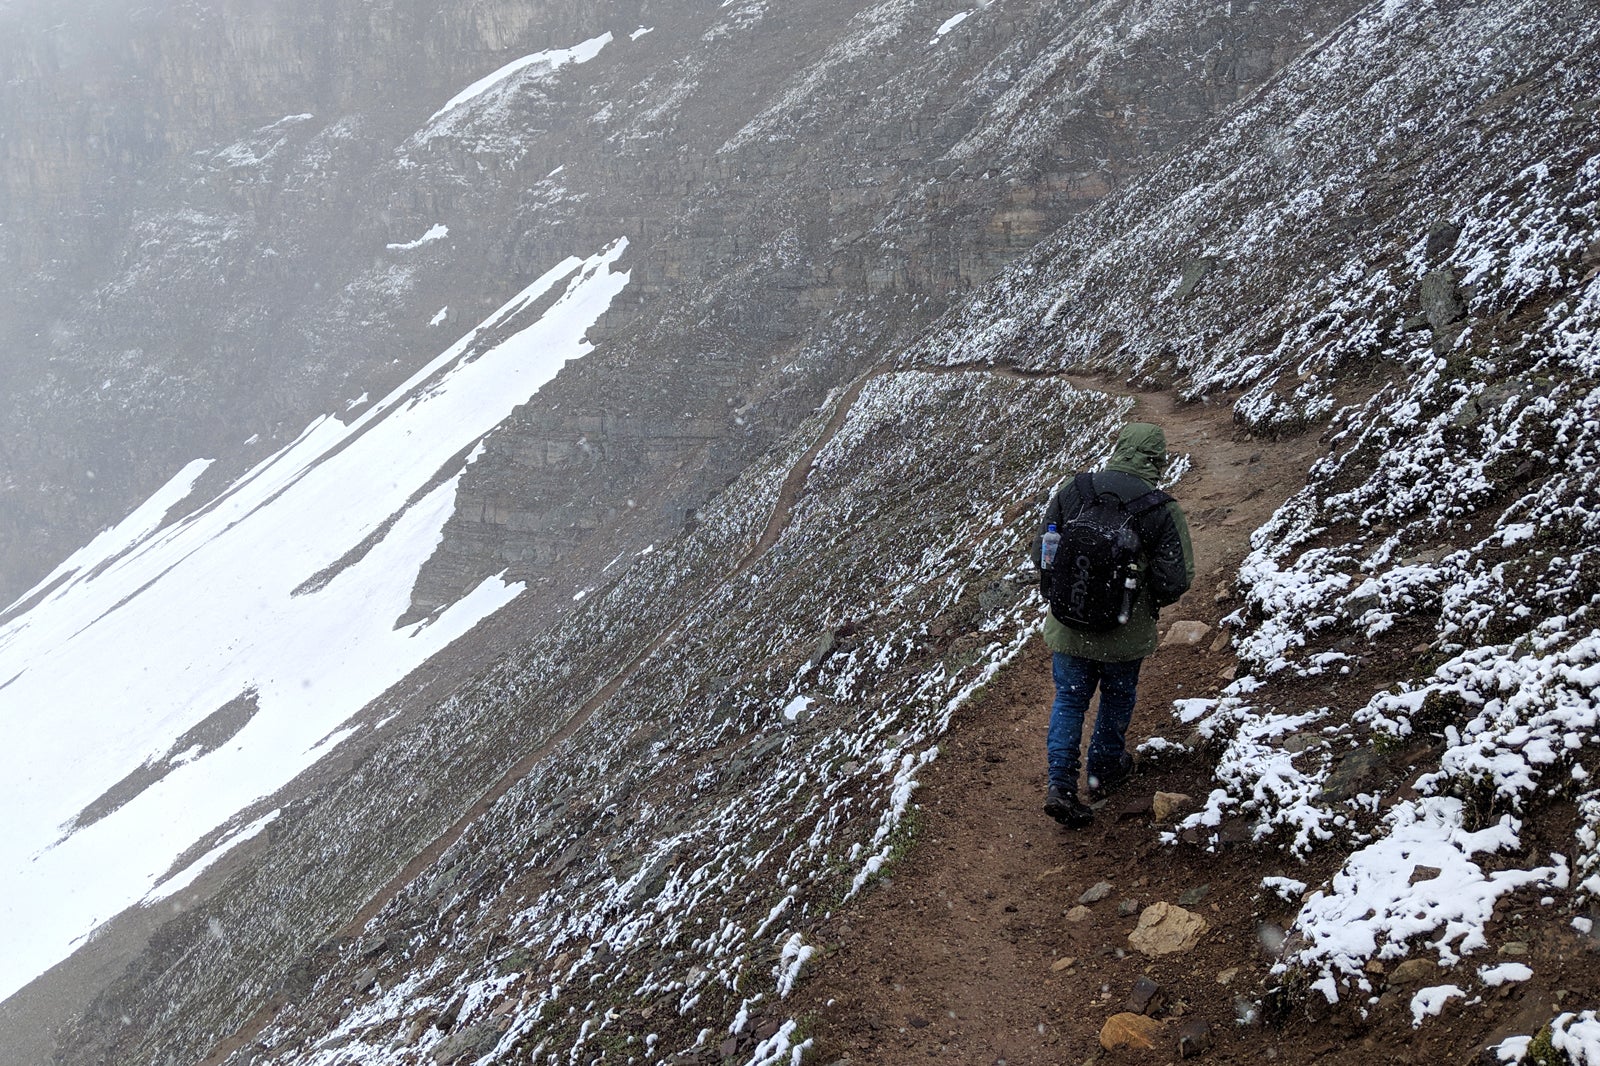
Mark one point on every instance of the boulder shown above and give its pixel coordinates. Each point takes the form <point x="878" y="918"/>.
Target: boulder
<point x="1129" y="1030"/>
<point x="1165" y="929"/>
<point x="1186" y="634"/>
<point x="472" y="1041"/>
<point x="1441" y="300"/>
<point x="1167" y="806"/>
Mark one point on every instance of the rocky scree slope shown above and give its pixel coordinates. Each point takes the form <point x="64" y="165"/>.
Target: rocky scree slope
<point x="230" y="218"/>
<point x="1301" y="276"/>
<point x="282" y="205"/>
<point x="1418" y="677"/>
<point x="1415" y="710"/>
<point x="742" y="776"/>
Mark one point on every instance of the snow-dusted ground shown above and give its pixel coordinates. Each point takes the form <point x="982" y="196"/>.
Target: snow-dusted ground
<point x="676" y="849"/>
<point x="1283" y="259"/>
<point x="283" y="590"/>
<point x="1456" y="513"/>
<point x="1436" y="580"/>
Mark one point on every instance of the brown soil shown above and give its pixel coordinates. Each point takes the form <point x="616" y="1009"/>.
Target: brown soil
<point x="968" y="951"/>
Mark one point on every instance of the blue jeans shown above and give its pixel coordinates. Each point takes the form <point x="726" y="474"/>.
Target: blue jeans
<point x="1076" y="680"/>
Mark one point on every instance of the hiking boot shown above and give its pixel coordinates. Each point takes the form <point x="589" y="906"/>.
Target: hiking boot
<point x="1066" y="808"/>
<point x="1106" y="782"/>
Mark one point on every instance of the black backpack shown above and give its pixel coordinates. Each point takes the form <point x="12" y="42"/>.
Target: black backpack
<point x="1094" y="579"/>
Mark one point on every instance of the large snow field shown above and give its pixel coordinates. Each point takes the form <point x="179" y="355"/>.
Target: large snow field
<point x="283" y="589"/>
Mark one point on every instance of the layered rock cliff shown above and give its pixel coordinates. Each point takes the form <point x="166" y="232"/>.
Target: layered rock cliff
<point x="872" y="247"/>
<point x="219" y="213"/>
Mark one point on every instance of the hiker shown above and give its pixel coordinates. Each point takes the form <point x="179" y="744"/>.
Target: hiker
<point x="1099" y="630"/>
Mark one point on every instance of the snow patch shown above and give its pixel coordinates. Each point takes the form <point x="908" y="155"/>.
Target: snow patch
<point x="436" y="232"/>
<point x="542" y="64"/>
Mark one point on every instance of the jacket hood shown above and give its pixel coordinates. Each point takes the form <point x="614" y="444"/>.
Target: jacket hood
<point x="1141" y="450"/>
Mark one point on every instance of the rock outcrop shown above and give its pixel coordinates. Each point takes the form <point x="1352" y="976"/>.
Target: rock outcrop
<point x="218" y="212"/>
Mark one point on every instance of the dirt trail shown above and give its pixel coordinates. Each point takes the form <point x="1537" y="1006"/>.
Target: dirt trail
<point x="970" y="952"/>
<point x="1229" y="490"/>
<point x="980" y="947"/>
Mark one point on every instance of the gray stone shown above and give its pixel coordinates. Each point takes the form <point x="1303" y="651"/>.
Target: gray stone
<point x="364" y="979"/>
<point x="1441" y="301"/>
<point x="1442" y="237"/>
<point x="1353" y="607"/>
<point x="474" y="1040"/>
<point x="1356" y="770"/>
<point x="1194" y="272"/>
<point x="1096" y="893"/>
<point x="825" y="646"/>
<point x="1295" y="743"/>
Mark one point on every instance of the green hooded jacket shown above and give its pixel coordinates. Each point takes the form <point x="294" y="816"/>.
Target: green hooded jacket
<point x="1134" y="469"/>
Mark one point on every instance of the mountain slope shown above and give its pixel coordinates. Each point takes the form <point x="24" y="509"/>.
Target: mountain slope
<point x="798" y="188"/>
<point x="1389" y="245"/>
<point x="1525" y="233"/>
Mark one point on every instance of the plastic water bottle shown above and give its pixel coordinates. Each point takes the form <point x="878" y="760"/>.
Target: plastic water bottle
<point x="1048" y="546"/>
<point x="1130" y="585"/>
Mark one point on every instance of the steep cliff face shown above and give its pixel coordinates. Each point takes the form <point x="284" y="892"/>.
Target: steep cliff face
<point x="812" y="220"/>
<point x="220" y="210"/>
<point x="191" y="202"/>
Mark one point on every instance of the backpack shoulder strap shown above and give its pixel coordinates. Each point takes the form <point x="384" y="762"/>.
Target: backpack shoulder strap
<point x="1084" y="485"/>
<point x="1148" y="502"/>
